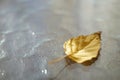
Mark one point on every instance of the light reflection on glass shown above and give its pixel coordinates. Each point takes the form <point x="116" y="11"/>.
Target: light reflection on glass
<point x="44" y="71"/>
<point x="2" y="54"/>
<point x="2" y="41"/>
<point x="2" y="72"/>
<point x="33" y="33"/>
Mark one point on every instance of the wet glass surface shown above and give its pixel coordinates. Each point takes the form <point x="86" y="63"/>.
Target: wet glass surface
<point x="32" y="32"/>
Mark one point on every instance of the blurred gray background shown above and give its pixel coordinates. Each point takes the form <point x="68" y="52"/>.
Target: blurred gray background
<point x="32" y="33"/>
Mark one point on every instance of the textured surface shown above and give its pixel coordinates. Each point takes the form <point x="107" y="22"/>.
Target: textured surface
<point x="32" y="32"/>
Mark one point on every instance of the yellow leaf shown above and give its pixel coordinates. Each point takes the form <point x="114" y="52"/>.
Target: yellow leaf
<point x="83" y="48"/>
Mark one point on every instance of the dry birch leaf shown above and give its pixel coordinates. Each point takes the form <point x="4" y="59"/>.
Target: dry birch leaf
<point x="83" y="48"/>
